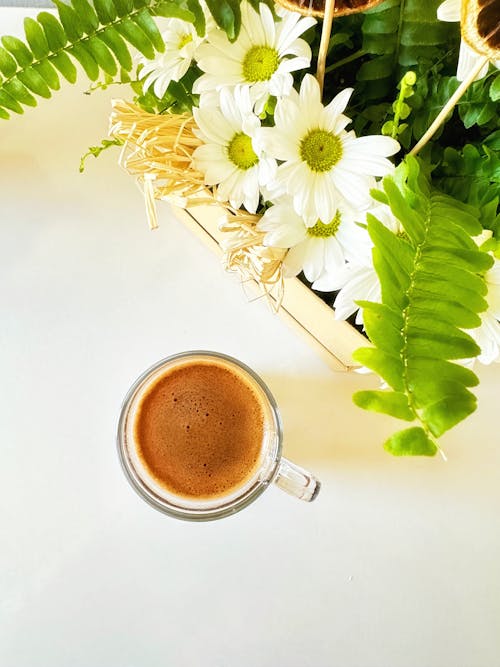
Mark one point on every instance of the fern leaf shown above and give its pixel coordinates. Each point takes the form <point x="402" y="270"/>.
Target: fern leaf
<point x="36" y="38"/>
<point x="149" y="28"/>
<point x="70" y="20"/>
<point x="20" y="52"/>
<point x="136" y="36"/>
<point x="123" y="7"/>
<point x="34" y="82"/>
<point x="102" y="55"/>
<point x="432" y="289"/>
<point x="105" y="10"/>
<point x="117" y="44"/>
<point x="56" y="37"/>
<point x="8" y="65"/>
<point x="96" y="35"/>
<point x="87" y="15"/>
<point x="86" y="60"/>
<point x="46" y="70"/>
<point x="62" y="62"/>
<point x="19" y="92"/>
<point x="398" y="34"/>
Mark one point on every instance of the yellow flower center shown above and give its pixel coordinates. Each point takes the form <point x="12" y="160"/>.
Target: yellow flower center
<point x="184" y="39"/>
<point x="320" y="150"/>
<point x="260" y="63"/>
<point x="322" y="231"/>
<point x="240" y="151"/>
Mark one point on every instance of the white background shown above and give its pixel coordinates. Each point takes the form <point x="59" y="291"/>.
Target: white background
<point x="395" y="565"/>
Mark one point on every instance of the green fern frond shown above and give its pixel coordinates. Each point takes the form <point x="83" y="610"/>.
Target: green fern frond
<point x="400" y="34"/>
<point x="95" y="34"/>
<point x="432" y="289"/>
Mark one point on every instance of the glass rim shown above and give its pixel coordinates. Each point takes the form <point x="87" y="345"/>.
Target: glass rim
<point x="226" y="508"/>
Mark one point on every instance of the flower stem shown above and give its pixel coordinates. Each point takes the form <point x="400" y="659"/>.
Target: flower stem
<point x="449" y="106"/>
<point x="325" y="40"/>
<point x="344" y="61"/>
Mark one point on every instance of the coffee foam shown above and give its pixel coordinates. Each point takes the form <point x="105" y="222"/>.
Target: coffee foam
<point x="200" y="429"/>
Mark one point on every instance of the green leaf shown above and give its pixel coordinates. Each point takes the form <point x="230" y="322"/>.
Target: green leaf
<point x="102" y="55"/>
<point x="118" y="46"/>
<point x="495" y="89"/>
<point x="48" y="74"/>
<point x="136" y="36"/>
<point x="123" y="7"/>
<point x="227" y="15"/>
<point x="173" y="9"/>
<point x="70" y="20"/>
<point x="65" y="66"/>
<point x="148" y="26"/>
<point x="19" y="92"/>
<point x="449" y="411"/>
<point x="389" y="402"/>
<point x="431" y="289"/>
<point x="8" y="65"/>
<point x="98" y="35"/>
<point x="199" y="17"/>
<point x="399" y="35"/>
<point x="87" y="15"/>
<point x="105" y="10"/>
<point x="9" y="102"/>
<point x="54" y="33"/>
<point x="383" y="325"/>
<point x="430" y="380"/>
<point x="36" y="38"/>
<point x="35" y="82"/>
<point x="86" y="60"/>
<point x="97" y="150"/>
<point x="19" y="50"/>
<point x="411" y="442"/>
<point x="389" y="367"/>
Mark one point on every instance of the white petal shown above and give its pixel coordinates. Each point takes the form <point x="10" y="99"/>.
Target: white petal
<point x="289" y="29"/>
<point x="449" y="10"/>
<point x="467" y="59"/>
<point x="339" y="102"/>
<point x="354" y="188"/>
<point x="309" y="92"/>
<point x="374" y="144"/>
<point x="212" y="124"/>
<point x="334" y="256"/>
<point x="314" y="260"/>
<point x="294" y="259"/>
<point x="268" y="25"/>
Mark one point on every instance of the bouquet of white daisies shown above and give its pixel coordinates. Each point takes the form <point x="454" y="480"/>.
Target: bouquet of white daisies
<point x="342" y="145"/>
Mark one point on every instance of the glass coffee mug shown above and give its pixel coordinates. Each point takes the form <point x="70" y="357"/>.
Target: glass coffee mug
<point x="184" y="402"/>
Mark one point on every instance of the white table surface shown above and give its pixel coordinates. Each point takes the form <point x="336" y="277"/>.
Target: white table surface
<point x="397" y="563"/>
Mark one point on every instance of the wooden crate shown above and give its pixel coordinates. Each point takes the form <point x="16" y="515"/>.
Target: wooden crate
<point x="334" y="340"/>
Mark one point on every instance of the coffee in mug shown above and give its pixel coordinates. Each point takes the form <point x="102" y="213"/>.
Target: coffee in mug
<point x="200" y="437"/>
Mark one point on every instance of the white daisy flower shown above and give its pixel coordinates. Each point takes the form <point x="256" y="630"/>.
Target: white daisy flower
<point x="181" y="41"/>
<point x="231" y="156"/>
<point x="450" y="11"/>
<point x="487" y="335"/>
<point x="358" y="281"/>
<point x="323" y="165"/>
<point x="313" y="249"/>
<point x="263" y="56"/>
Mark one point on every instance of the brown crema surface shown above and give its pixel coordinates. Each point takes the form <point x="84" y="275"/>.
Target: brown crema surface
<point x="199" y="430"/>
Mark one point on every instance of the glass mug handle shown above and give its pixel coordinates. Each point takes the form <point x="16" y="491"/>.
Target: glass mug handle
<point x="296" y="481"/>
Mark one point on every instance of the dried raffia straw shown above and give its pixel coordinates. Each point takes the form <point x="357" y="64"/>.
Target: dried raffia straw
<point x="245" y="253"/>
<point x="158" y="149"/>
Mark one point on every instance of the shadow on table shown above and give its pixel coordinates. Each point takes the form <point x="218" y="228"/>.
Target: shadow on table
<point x="322" y="424"/>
